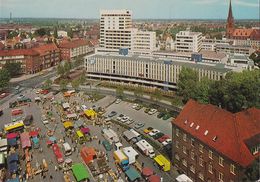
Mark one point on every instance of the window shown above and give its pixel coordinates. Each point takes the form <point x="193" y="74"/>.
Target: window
<point x="177" y="132"/>
<point x="201" y="176"/>
<point x="184" y="162"/>
<point x="177" y="157"/>
<point x="210" y="168"/>
<point x="232" y="169"/>
<point x="220" y="161"/>
<point x="177" y="144"/>
<point x="192" y="168"/>
<point x="210" y="154"/>
<point x="220" y="177"/>
<point x="201" y="161"/>
<point x="192" y="142"/>
<point x="192" y="155"/>
<point x="184" y="137"/>
<point x="184" y="150"/>
<point x="201" y="148"/>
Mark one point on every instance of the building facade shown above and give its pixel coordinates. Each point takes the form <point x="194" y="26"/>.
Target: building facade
<point x="75" y="48"/>
<point x="115" y="30"/>
<point x="216" y="146"/>
<point x="144" y="42"/>
<point x="147" y="71"/>
<point x="187" y="41"/>
<point x="232" y="49"/>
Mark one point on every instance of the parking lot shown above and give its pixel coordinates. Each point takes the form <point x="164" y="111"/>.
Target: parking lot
<point x="37" y="110"/>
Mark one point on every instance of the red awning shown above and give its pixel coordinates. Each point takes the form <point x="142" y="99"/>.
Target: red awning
<point x="85" y="130"/>
<point x="33" y="133"/>
<point x="154" y="178"/>
<point x="147" y="171"/>
<point x="11" y="135"/>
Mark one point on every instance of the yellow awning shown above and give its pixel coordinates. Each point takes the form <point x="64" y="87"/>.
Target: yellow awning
<point x="67" y="124"/>
<point x="158" y="160"/>
<point x="79" y="133"/>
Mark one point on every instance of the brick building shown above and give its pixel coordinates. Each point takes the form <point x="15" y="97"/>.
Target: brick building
<point x="74" y="48"/>
<point x="211" y="144"/>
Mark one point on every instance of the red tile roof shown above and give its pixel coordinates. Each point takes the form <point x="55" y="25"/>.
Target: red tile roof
<point x="232" y="130"/>
<point x="44" y="49"/>
<point x="18" y="52"/>
<point x="73" y="43"/>
<point x="243" y="32"/>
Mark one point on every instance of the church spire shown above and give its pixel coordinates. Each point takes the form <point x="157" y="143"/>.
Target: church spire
<point x="230" y="22"/>
<point x="230" y="13"/>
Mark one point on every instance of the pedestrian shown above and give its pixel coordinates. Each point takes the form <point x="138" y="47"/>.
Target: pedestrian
<point x="142" y="164"/>
<point x="55" y="167"/>
<point x="51" y="177"/>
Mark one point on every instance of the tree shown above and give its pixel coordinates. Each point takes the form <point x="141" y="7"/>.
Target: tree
<point x="47" y="84"/>
<point x="70" y="33"/>
<point x="13" y="68"/>
<point x="60" y="70"/>
<point x="138" y="91"/>
<point x="42" y="31"/>
<point x="157" y="95"/>
<point x="75" y="83"/>
<point x="4" y="78"/>
<point x="55" y="32"/>
<point x="201" y="93"/>
<point x="63" y="84"/>
<point x="82" y="78"/>
<point x="67" y="68"/>
<point x="119" y="91"/>
<point x="188" y="80"/>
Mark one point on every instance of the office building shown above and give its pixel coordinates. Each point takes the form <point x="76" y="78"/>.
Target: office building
<point x="187" y="41"/>
<point x="216" y="146"/>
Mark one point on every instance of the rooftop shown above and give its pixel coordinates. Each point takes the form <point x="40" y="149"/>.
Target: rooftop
<point x="225" y="132"/>
<point x="74" y="43"/>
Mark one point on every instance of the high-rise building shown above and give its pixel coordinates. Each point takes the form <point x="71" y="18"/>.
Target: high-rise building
<point x="115" y="30"/>
<point x="187" y="41"/>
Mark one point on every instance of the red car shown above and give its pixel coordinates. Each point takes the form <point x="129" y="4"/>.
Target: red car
<point x="3" y="95"/>
<point x="57" y="152"/>
<point x="44" y="92"/>
<point x="163" y="138"/>
<point x="17" y="112"/>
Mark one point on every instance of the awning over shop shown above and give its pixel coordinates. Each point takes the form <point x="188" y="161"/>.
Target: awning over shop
<point x="85" y="130"/>
<point x="33" y="133"/>
<point x="80" y="172"/>
<point x="35" y="140"/>
<point x="129" y="135"/>
<point x="132" y="174"/>
<point x="147" y="171"/>
<point x="68" y="125"/>
<point x="12" y="142"/>
<point x="13" y="180"/>
<point x="154" y="178"/>
<point x="11" y="135"/>
<point x="52" y="139"/>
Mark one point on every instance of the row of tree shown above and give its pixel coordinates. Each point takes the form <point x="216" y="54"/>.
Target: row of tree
<point x="237" y="91"/>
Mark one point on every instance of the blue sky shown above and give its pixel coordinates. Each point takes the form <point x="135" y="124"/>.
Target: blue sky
<point x="165" y="9"/>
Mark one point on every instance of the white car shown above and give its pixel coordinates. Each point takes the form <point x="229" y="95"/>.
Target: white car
<point x="130" y="121"/>
<point x="135" y="106"/>
<point x="44" y="119"/>
<point x="124" y="119"/>
<point x="154" y="132"/>
<point x="166" y="142"/>
<point x="152" y="111"/>
<point x="118" y="101"/>
<point x="83" y="107"/>
<point x="120" y="117"/>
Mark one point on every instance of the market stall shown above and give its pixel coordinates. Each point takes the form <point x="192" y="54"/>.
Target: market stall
<point x="132" y="174"/>
<point x="80" y="172"/>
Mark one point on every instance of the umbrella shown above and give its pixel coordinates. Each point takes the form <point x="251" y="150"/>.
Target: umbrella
<point x="85" y="130"/>
<point x="11" y="135"/>
<point x="33" y="133"/>
<point x="147" y="171"/>
<point x="52" y="139"/>
<point x="154" y="178"/>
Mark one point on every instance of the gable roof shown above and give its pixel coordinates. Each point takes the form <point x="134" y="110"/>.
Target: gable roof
<point x="18" y="52"/>
<point x="44" y="49"/>
<point x="73" y="44"/>
<point x="230" y="130"/>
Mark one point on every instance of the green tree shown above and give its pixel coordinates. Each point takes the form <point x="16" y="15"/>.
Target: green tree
<point x="42" y="31"/>
<point x="75" y="84"/>
<point x="138" y="91"/>
<point x="4" y="78"/>
<point x="67" y="68"/>
<point x="63" y="84"/>
<point x="70" y="33"/>
<point x="60" y="70"/>
<point x="55" y="32"/>
<point x="47" y="84"/>
<point x="120" y="91"/>
<point x="157" y="95"/>
<point x="252" y="173"/>
<point x="188" y="80"/>
<point x="202" y="88"/>
<point x="14" y="69"/>
<point x="82" y="78"/>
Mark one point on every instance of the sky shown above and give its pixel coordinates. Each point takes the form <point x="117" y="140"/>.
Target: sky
<point x="142" y="9"/>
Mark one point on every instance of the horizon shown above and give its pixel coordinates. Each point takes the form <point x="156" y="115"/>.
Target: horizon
<point x="142" y="9"/>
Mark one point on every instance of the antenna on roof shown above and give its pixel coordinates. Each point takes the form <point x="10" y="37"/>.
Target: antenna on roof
<point x="206" y="132"/>
<point x="197" y="127"/>
<point x="186" y="121"/>
<point x="191" y="125"/>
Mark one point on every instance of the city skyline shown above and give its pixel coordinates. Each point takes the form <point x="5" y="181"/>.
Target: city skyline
<point x="142" y="9"/>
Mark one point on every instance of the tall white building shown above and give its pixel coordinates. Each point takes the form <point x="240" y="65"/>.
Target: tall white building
<point x="115" y="30"/>
<point x="143" y="42"/>
<point x="187" y="41"/>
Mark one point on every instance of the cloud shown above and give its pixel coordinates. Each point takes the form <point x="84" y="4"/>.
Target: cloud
<point x="246" y="3"/>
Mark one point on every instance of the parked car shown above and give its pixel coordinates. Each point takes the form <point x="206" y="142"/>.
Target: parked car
<point x="44" y="92"/>
<point x="124" y="119"/>
<point x="112" y="114"/>
<point x="163" y="138"/>
<point x="107" y="145"/>
<point x="148" y="130"/>
<point x="160" y="115"/>
<point x="158" y="135"/>
<point x="17" y="112"/>
<point x="139" y="107"/>
<point x="167" y="142"/>
<point x="135" y="106"/>
<point x="152" y="111"/>
<point x="147" y="110"/>
<point x="55" y="92"/>
<point x="120" y="117"/>
<point x="83" y="107"/>
<point x="13" y="104"/>
<point x="3" y="95"/>
<point x="153" y="132"/>
<point x="138" y="125"/>
<point x="166" y="116"/>
<point x="118" y="101"/>
<point x="1" y="112"/>
<point x="45" y="119"/>
<point x="130" y="121"/>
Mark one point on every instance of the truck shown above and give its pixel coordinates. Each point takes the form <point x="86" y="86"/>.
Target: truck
<point x="145" y="148"/>
<point x="110" y="135"/>
<point x="131" y="154"/>
<point x="121" y="159"/>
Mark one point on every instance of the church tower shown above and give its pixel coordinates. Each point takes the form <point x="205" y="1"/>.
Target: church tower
<point x="230" y="22"/>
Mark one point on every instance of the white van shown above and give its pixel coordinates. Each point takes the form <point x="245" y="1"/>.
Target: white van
<point x="67" y="149"/>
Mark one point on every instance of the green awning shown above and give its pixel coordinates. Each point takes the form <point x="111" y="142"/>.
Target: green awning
<point x="80" y="172"/>
<point x="132" y="174"/>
